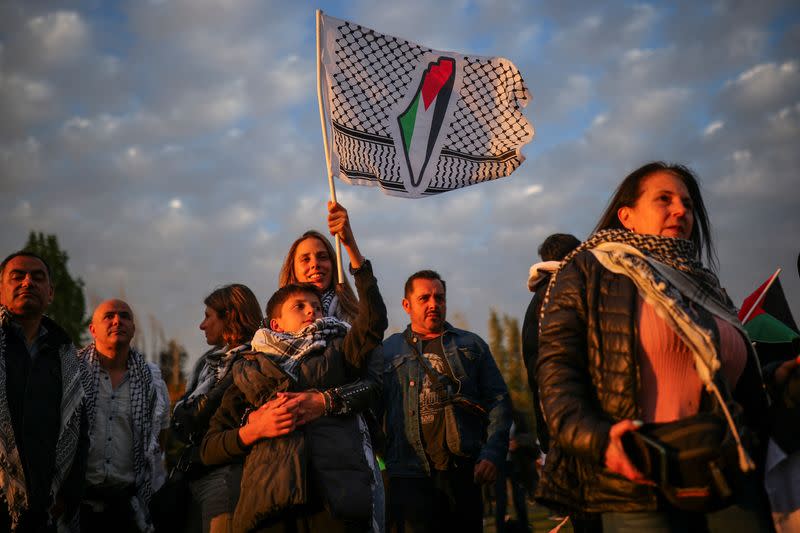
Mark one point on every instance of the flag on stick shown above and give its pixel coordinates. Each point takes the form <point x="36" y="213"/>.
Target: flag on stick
<point x="417" y="121"/>
<point x="766" y="314"/>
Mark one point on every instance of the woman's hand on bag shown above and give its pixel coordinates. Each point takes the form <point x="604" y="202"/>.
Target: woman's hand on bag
<point x="310" y="405"/>
<point x="616" y="459"/>
<point x="339" y="224"/>
<point x="273" y="419"/>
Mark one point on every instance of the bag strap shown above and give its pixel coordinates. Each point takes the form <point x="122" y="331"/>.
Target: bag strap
<point x="443" y="380"/>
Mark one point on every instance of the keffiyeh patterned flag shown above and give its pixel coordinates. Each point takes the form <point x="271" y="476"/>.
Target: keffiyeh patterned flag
<point x="417" y="121"/>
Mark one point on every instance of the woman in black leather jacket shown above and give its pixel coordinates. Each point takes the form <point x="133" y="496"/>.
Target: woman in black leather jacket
<point x="232" y="316"/>
<point x="627" y="319"/>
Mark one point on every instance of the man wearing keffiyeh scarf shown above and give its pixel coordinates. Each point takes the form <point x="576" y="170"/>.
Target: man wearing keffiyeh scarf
<point x="124" y="424"/>
<point x="42" y="422"/>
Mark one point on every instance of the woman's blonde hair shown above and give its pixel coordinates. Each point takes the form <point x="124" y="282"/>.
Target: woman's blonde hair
<point x="348" y="303"/>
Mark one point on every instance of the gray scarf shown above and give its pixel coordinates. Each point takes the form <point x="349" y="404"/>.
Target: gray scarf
<point x="216" y="366"/>
<point x="143" y="401"/>
<point x="12" y="478"/>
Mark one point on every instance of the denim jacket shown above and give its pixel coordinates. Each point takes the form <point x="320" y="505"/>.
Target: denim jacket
<point x="477" y="380"/>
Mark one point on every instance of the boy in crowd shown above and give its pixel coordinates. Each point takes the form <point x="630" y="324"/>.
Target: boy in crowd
<point x="290" y="400"/>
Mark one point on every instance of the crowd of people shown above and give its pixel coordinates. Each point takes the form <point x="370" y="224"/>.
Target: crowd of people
<point x="652" y="411"/>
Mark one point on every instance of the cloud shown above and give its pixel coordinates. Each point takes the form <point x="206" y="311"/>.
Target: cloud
<point x="763" y="87"/>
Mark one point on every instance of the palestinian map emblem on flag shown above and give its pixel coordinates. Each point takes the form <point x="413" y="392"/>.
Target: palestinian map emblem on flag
<point x="416" y="121"/>
<point x="423" y="119"/>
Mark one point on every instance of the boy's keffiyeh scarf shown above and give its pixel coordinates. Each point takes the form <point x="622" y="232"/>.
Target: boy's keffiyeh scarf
<point x="288" y="349"/>
<point x="668" y="276"/>
<point x="143" y="402"/>
<point x="12" y="479"/>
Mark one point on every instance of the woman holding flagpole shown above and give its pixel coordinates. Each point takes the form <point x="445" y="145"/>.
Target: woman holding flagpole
<point x="641" y="355"/>
<point x="311" y="260"/>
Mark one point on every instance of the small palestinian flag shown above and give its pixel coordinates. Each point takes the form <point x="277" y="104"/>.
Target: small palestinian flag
<point x="769" y="319"/>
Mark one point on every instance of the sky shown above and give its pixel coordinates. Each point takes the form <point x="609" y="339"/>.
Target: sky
<point x="175" y="146"/>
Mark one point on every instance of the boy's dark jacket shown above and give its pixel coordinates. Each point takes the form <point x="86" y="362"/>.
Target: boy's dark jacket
<point x="324" y="461"/>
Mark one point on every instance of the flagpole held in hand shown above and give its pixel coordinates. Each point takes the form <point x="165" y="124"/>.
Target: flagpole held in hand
<point x="339" y="269"/>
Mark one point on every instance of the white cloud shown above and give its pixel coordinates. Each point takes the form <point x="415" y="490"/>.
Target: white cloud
<point x="713" y="127"/>
<point x="764" y="87"/>
<point x="61" y="36"/>
<point x="533" y="189"/>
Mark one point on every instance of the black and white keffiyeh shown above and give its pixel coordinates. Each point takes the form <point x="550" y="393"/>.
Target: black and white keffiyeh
<point x="678" y="254"/>
<point x="143" y="402"/>
<point x="288" y="349"/>
<point x="12" y="478"/>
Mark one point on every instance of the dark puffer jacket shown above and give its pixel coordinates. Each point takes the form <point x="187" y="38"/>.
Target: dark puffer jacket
<point x="323" y="462"/>
<point x="588" y="376"/>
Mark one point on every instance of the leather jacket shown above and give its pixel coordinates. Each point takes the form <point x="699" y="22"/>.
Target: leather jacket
<point x="589" y="379"/>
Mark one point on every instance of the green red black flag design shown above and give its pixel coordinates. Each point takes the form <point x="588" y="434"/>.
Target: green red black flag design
<point x="769" y="318"/>
<point x="422" y="120"/>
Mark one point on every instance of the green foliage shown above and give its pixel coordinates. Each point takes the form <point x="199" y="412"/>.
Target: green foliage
<point x="69" y="306"/>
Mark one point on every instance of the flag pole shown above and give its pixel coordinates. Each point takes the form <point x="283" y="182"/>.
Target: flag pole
<point x="761" y="296"/>
<point x="339" y="269"/>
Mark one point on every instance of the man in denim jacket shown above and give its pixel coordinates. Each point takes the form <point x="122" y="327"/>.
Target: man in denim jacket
<point x="448" y="415"/>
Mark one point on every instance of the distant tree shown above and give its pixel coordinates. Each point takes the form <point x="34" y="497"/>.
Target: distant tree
<point x="69" y="306"/>
<point x="506" y="345"/>
<point x="496" y="340"/>
<point x="459" y="320"/>
<point x="172" y="360"/>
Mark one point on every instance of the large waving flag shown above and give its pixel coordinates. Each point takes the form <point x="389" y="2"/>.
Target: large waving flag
<point x="417" y="121"/>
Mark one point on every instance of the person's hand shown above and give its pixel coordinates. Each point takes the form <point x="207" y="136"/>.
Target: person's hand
<point x="785" y="370"/>
<point x="616" y="459"/>
<point x="273" y="419"/>
<point x="787" y="379"/>
<point x="339" y="224"/>
<point x="310" y="405"/>
<point x="512" y="445"/>
<point x="485" y="472"/>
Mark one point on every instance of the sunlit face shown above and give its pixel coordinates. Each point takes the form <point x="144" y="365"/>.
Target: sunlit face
<point x="427" y="307"/>
<point x="297" y="312"/>
<point x="25" y="287"/>
<point x="664" y="208"/>
<point x="312" y="263"/>
<point x="112" y="325"/>
<point x="213" y="326"/>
